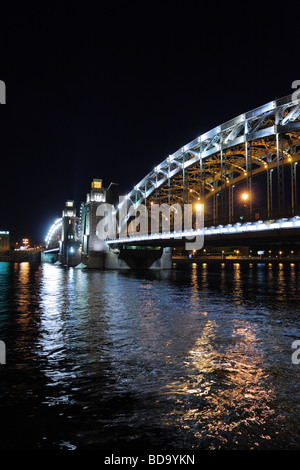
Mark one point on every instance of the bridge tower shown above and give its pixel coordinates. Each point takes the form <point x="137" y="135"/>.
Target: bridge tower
<point x="68" y="245"/>
<point x="96" y="253"/>
<point x="92" y="247"/>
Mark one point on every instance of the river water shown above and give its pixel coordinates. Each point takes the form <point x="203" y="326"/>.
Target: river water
<point x="199" y="357"/>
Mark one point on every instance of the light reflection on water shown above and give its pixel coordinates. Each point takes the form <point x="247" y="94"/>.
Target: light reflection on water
<point x="195" y="358"/>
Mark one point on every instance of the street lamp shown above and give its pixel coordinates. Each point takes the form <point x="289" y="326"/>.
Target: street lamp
<point x="245" y="197"/>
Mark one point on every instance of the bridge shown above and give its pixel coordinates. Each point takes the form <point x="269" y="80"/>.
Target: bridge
<point x="238" y="182"/>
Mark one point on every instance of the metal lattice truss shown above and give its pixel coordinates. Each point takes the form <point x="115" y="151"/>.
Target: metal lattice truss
<point x="54" y="233"/>
<point x="262" y="139"/>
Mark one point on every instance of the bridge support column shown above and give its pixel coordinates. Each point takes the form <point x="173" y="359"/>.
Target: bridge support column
<point x="280" y="171"/>
<point x="69" y="253"/>
<point x="294" y="187"/>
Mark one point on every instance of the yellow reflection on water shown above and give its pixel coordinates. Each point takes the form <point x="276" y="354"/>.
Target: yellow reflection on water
<point x="281" y="283"/>
<point x="204" y="280"/>
<point x="23" y="290"/>
<point x="25" y="298"/>
<point x="237" y="286"/>
<point x="194" y="278"/>
<point x="293" y="286"/>
<point x="24" y="273"/>
<point x="222" y="392"/>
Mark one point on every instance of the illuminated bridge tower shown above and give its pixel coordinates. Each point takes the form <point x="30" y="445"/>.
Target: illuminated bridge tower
<point x="96" y="253"/>
<point x="68" y="246"/>
<point x="92" y="247"/>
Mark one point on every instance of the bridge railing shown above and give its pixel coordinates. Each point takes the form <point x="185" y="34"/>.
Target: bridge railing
<point x="241" y="217"/>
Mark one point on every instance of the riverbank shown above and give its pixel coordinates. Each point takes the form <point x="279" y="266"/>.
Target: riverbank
<point x="35" y="255"/>
<point x="20" y="256"/>
<point x="233" y="260"/>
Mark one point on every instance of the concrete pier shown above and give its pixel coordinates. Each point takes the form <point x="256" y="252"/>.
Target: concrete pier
<point x="135" y="258"/>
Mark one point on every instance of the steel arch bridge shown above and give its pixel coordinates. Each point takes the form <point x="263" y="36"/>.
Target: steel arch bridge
<point x="255" y="153"/>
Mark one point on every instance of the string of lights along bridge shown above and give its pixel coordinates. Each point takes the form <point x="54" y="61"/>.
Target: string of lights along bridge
<point x="243" y="173"/>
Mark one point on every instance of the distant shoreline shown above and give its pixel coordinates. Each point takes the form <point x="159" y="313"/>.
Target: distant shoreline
<point x="233" y="260"/>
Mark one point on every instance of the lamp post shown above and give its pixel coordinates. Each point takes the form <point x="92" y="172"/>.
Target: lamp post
<point x="269" y="192"/>
<point x="245" y="198"/>
<point x="230" y="203"/>
<point x="293" y="185"/>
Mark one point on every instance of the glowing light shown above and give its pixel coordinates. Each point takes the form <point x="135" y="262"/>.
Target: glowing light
<point x="245" y="196"/>
<point x="96" y="184"/>
<point x="54" y="227"/>
<point x="237" y="228"/>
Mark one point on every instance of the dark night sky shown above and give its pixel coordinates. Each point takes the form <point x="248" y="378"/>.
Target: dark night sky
<point x="109" y="93"/>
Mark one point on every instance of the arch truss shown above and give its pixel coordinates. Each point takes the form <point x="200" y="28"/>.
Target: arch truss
<point x="255" y="153"/>
<point x="54" y="234"/>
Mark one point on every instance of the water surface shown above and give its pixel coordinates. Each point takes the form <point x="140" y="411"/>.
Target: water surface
<point x="194" y="358"/>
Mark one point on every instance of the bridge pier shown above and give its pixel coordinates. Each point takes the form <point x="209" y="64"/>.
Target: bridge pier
<point x="134" y="257"/>
<point x="49" y="257"/>
<point x="99" y="255"/>
<point x="131" y="257"/>
<point x="93" y="260"/>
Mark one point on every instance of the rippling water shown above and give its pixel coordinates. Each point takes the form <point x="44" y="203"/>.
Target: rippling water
<point x="194" y="358"/>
